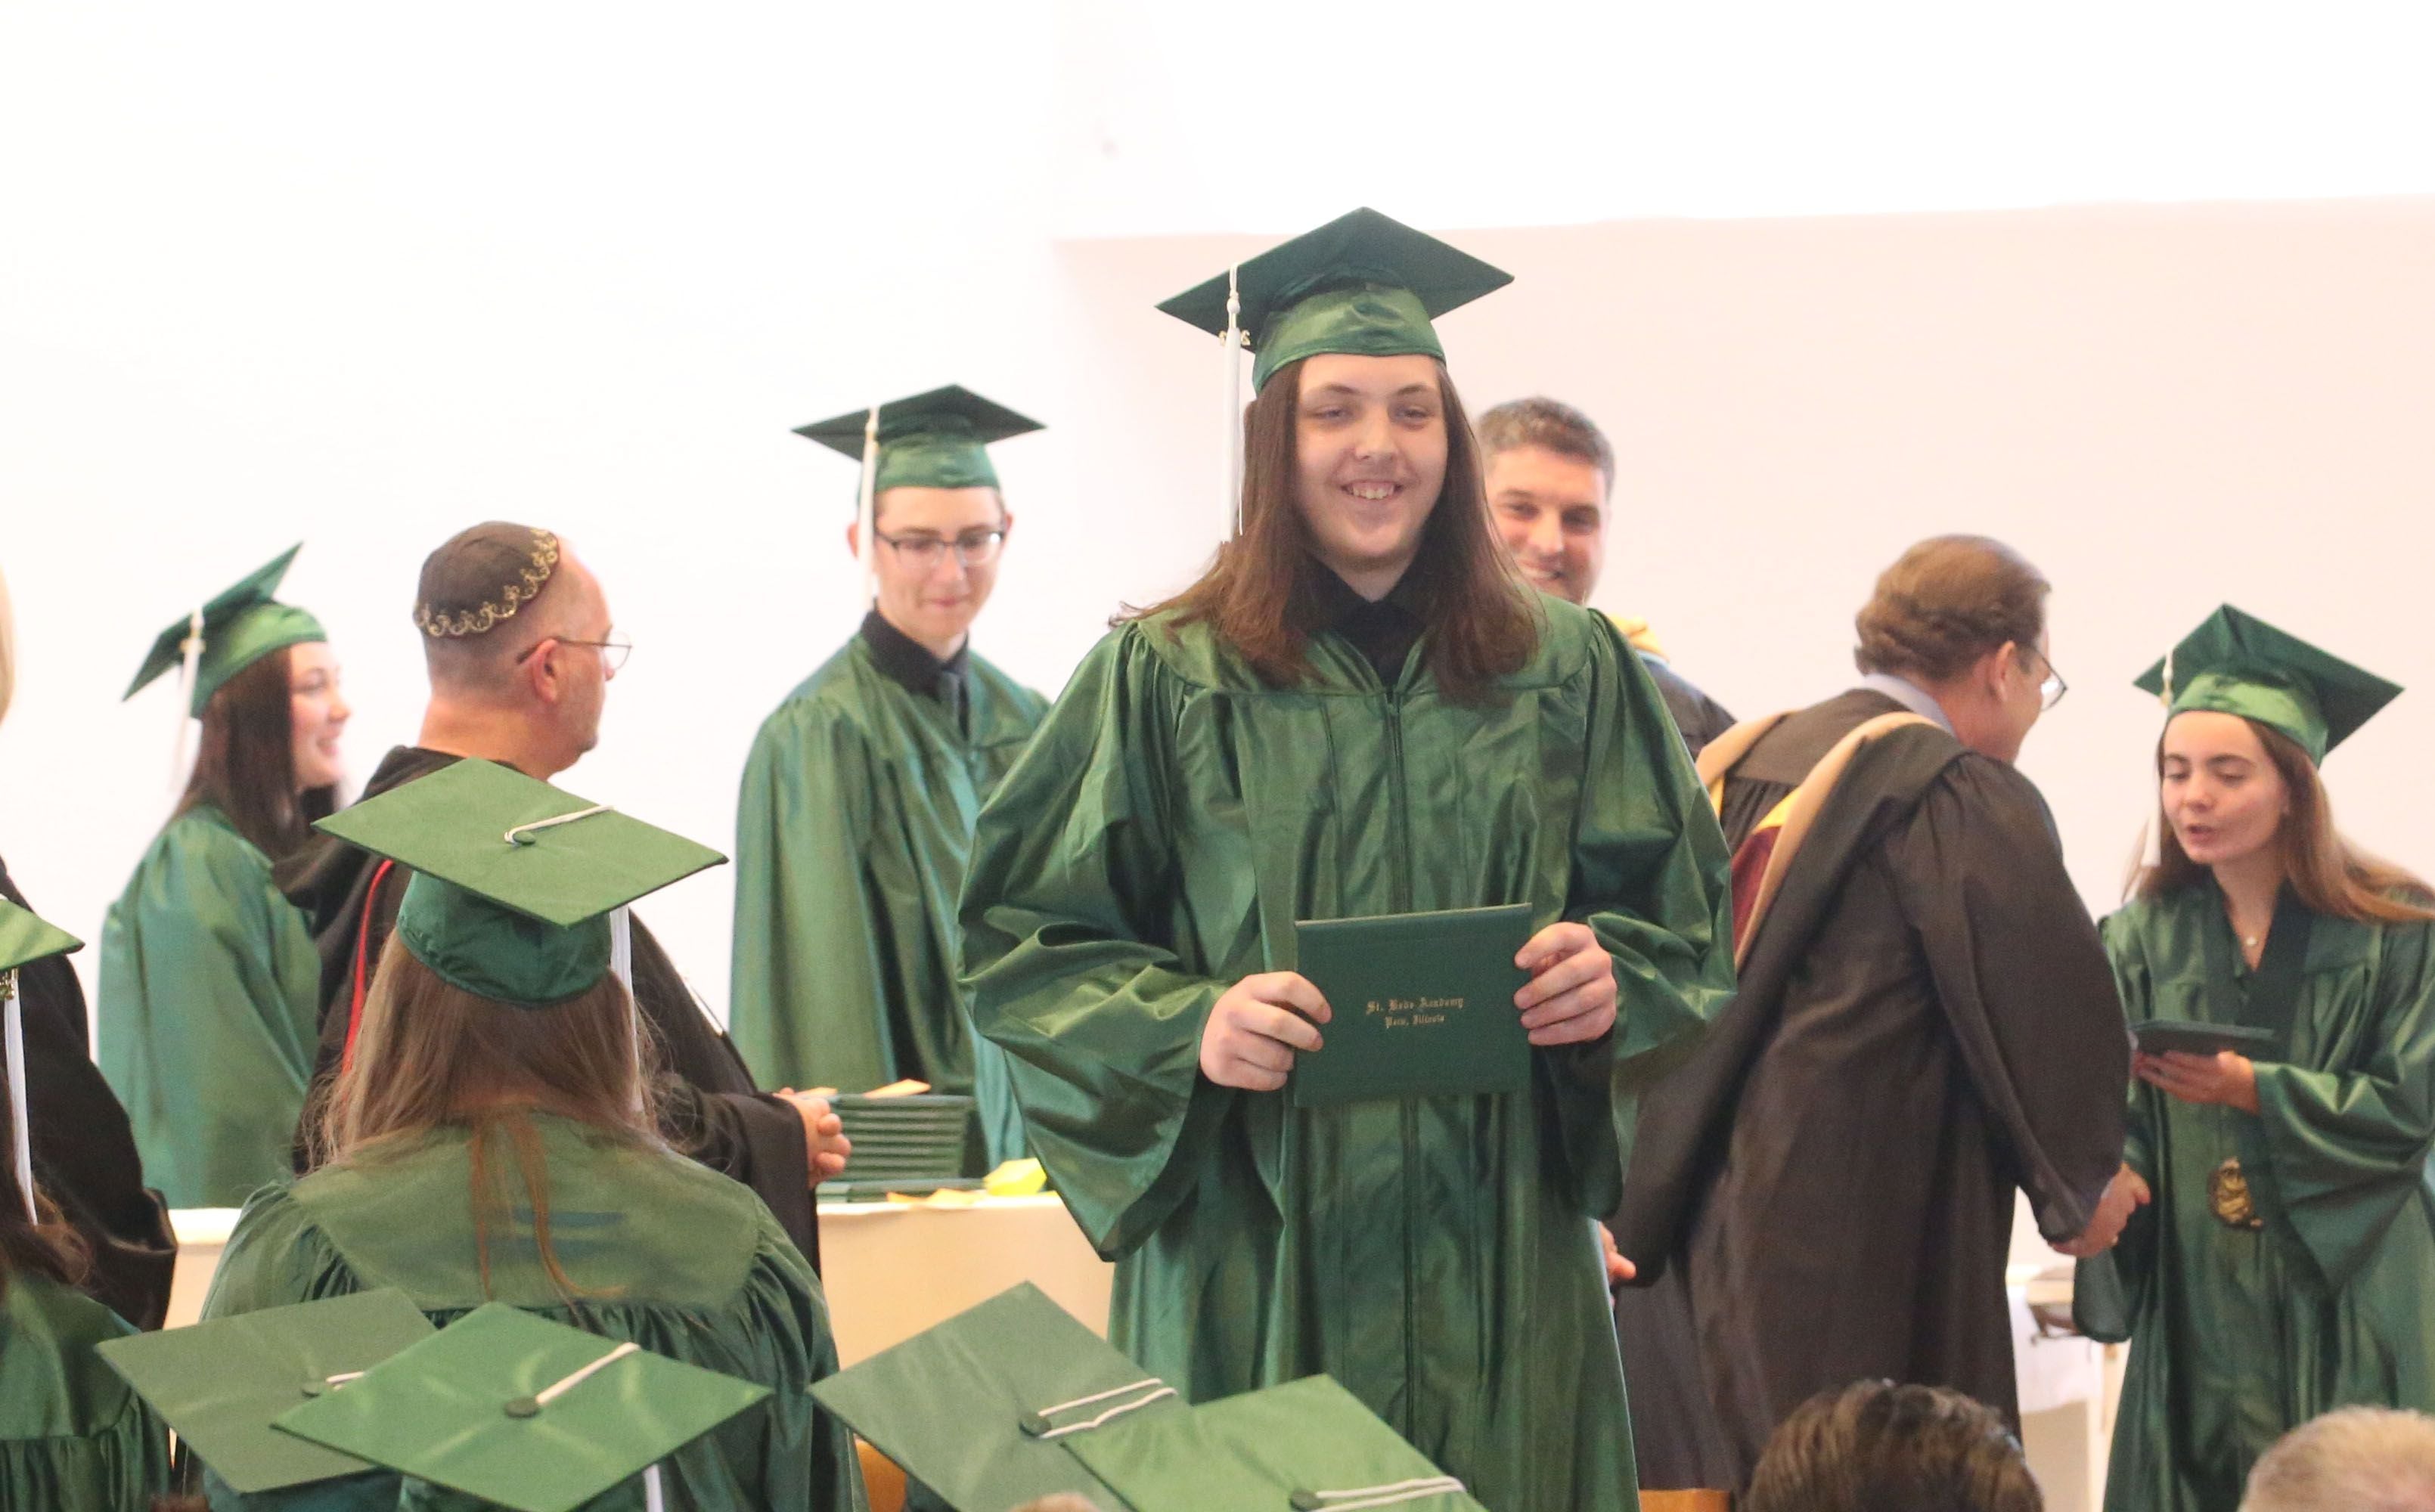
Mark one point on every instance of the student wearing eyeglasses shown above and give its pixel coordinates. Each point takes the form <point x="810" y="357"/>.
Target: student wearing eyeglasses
<point x="858" y="800"/>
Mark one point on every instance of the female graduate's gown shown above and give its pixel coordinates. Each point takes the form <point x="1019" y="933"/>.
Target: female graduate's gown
<point x="208" y="1011"/>
<point x="2288" y="1264"/>
<point x="677" y="1258"/>
<point x="72" y="1435"/>
<point x="1156" y="843"/>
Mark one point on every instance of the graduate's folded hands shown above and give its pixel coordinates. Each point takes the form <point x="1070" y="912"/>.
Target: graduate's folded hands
<point x="1255" y="1028"/>
<point x="1570" y="996"/>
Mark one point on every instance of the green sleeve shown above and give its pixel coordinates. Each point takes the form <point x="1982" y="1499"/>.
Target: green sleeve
<point x="276" y="1256"/>
<point x="1651" y="876"/>
<point x="1068" y="956"/>
<point x="808" y="1458"/>
<point x="2109" y="1290"/>
<point x="208" y="1016"/>
<point x="804" y="1000"/>
<point x="2346" y="1151"/>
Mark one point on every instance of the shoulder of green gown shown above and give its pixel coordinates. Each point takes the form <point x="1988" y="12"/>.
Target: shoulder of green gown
<point x="203" y="835"/>
<point x="1018" y="702"/>
<point x="52" y="1383"/>
<point x="1572" y="642"/>
<point x="840" y="690"/>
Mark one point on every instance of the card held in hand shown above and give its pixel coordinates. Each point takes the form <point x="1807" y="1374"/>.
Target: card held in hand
<point x="1423" y="1006"/>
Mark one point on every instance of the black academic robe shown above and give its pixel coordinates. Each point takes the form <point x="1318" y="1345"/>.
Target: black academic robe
<point x="1926" y="1021"/>
<point x="714" y="1111"/>
<point x="84" y="1149"/>
<point x="1699" y="717"/>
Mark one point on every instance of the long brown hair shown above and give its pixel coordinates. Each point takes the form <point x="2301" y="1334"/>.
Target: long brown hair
<point x="1259" y="597"/>
<point x="2326" y="872"/>
<point x="44" y="1244"/>
<point x="431" y="1055"/>
<point x="245" y="764"/>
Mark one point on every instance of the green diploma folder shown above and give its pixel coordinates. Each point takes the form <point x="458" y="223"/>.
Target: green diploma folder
<point x="2160" y="1036"/>
<point x="1423" y="1004"/>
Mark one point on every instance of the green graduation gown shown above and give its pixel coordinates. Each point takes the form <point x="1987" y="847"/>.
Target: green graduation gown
<point x="72" y="1435"/>
<point x="2241" y="1335"/>
<point x="850" y="834"/>
<point x="678" y="1259"/>
<point x="1156" y="844"/>
<point x="208" y="1016"/>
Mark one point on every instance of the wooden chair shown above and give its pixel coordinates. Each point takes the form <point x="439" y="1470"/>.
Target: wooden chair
<point x="881" y="1479"/>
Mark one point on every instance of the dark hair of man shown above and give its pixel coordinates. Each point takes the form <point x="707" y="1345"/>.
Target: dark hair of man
<point x="1551" y="425"/>
<point x="1877" y="1447"/>
<point x="1260" y="595"/>
<point x="245" y="764"/>
<point x="1948" y="602"/>
<point x="483" y="599"/>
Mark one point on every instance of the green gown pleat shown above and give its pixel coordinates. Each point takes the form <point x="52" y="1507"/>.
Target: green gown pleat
<point x="2237" y="1335"/>
<point x="1157" y="842"/>
<point x="677" y="1258"/>
<point x="73" y="1436"/>
<point x="850" y="838"/>
<point x="208" y="1013"/>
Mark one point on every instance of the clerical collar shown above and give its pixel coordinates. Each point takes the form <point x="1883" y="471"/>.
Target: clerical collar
<point x="909" y="664"/>
<point x="1911" y="695"/>
<point x="1384" y="631"/>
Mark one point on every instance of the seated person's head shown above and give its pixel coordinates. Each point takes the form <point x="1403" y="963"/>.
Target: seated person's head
<point x="513" y="626"/>
<point x="1548" y="473"/>
<point x="1877" y="1447"/>
<point x="2359" y="1459"/>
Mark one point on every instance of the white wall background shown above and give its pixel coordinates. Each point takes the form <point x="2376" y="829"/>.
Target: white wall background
<point x="363" y="277"/>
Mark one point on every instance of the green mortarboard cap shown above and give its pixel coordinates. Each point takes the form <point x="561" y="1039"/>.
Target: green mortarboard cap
<point x="240" y="627"/>
<point x="1310" y="1444"/>
<point x="2236" y="664"/>
<point x="934" y="440"/>
<point x="1361" y="283"/>
<point x="521" y="920"/>
<point x="963" y="1407"/>
<point x="25" y="938"/>
<point x="220" y="1383"/>
<point x="522" y="1412"/>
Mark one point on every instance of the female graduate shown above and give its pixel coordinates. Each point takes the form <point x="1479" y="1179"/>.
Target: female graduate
<point x="1358" y="710"/>
<point x="210" y="987"/>
<point x="492" y="1137"/>
<point x="72" y="1435"/>
<point x="2287" y="1264"/>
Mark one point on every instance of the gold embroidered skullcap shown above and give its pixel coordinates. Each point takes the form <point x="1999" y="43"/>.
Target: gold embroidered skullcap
<point x="481" y="577"/>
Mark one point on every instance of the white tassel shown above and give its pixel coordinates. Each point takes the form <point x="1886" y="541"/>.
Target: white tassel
<point x="189" y="668"/>
<point x="19" y="1116"/>
<point x="621" y="946"/>
<point x="2152" y="844"/>
<point x="653" y="1499"/>
<point x="1233" y="510"/>
<point x="867" y="528"/>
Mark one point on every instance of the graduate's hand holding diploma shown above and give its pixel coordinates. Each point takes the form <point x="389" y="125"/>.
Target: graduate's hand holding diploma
<point x="1570" y="997"/>
<point x="2225" y="1077"/>
<point x="1255" y="1029"/>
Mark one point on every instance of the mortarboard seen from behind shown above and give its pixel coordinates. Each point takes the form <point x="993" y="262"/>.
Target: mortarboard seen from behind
<point x="219" y="1384"/>
<point x="513" y="879"/>
<point x="2237" y="663"/>
<point x="982" y="1408"/>
<point x="522" y="1412"/>
<point x="1309" y="1444"/>
<point x="24" y="938"/>
<point x="229" y="633"/>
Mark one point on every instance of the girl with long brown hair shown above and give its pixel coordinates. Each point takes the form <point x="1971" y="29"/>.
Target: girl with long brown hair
<point x="210" y="990"/>
<point x="2282" y="984"/>
<point x="72" y="1435"/>
<point x="492" y="1136"/>
<point x="1358" y="710"/>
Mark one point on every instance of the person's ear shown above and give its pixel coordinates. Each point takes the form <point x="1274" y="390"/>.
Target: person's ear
<point x="541" y="670"/>
<point x="1005" y="523"/>
<point x="854" y="538"/>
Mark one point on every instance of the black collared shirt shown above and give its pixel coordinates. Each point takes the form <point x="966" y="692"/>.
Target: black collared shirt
<point x="1383" y="631"/>
<point x="911" y="665"/>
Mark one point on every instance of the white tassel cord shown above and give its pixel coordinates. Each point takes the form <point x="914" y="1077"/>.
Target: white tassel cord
<point x="515" y="837"/>
<point x="1231" y="512"/>
<point x="21" y="1128"/>
<point x="190" y="666"/>
<point x="866" y="507"/>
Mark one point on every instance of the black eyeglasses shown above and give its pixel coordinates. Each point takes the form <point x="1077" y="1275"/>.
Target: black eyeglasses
<point x="2050" y="692"/>
<point x="613" y="652"/>
<point x="974" y="548"/>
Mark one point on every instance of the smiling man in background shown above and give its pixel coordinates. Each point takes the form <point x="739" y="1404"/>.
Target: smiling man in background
<point x="1550" y="482"/>
<point x="862" y="788"/>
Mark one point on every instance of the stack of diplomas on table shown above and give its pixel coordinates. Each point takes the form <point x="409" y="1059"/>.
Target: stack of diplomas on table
<point x="912" y="1144"/>
<point x="1423" y="1006"/>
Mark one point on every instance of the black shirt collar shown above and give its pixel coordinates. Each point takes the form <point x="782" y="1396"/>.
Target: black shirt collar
<point x="1383" y="631"/>
<point x="911" y="665"/>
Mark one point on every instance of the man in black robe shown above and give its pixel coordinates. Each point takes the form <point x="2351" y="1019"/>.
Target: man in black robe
<point x="83" y="1148"/>
<point x="1926" y="1021"/>
<point x="518" y="640"/>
